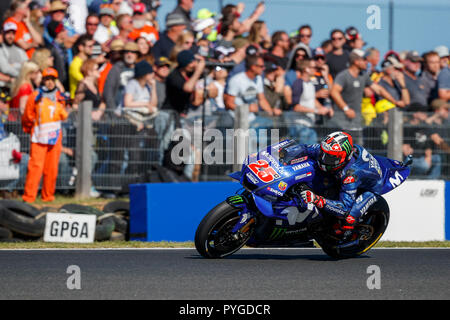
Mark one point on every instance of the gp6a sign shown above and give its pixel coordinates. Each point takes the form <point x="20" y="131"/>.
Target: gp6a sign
<point x="71" y="228"/>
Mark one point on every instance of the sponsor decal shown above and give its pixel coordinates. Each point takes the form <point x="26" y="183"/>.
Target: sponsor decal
<point x="252" y="178"/>
<point x="429" y="193"/>
<point x="301" y="166"/>
<point x="303" y="176"/>
<point x="349" y="179"/>
<point x="277" y="233"/>
<point x="282" y="186"/>
<point x="275" y="191"/>
<point x="298" y="160"/>
<point x="336" y="147"/>
<point x="334" y="209"/>
<point x="281" y="144"/>
<point x="396" y="180"/>
<point x="350" y="220"/>
<point x="235" y="200"/>
<point x="367" y="205"/>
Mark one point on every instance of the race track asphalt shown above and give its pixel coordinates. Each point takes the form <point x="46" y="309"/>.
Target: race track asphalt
<point x="254" y="274"/>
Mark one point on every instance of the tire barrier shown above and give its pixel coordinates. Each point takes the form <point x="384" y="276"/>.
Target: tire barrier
<point x="20" y="221"/>
<point x="121" y="211"/>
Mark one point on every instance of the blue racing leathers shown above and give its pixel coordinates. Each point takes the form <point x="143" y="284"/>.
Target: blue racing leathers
<point x="358" y="181"/>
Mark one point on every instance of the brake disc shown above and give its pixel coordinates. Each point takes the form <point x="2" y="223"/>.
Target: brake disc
<point x="366" y="231"/>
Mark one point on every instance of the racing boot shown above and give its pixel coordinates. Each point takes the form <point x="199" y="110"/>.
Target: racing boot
<point x="345" y="230"/>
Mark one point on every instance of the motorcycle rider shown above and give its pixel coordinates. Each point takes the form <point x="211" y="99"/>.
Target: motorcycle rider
<point x="357" y="173"/>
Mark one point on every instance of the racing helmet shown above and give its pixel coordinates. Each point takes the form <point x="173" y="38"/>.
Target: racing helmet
<point x="336" y="150"/>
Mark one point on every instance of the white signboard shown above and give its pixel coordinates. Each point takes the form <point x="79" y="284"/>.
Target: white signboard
<point x="70" y="228"/>
<point x="8" y="169"/>
<point x="417" y="211"/>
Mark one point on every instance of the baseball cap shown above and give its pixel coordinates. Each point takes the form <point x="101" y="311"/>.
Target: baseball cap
<point x="50" y="72"/>
<point x="139" y="8"/>
<point x="270" y="66"/>
<point x="351" y="33"/>
<point x="9" y="26"/>
<point x="142" y="68"/>
<point x="184" y="58"/>
<point x="413" y="56"/>
<point x="442" y="51"/>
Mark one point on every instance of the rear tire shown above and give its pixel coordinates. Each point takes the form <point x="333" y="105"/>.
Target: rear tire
<point x="377" y="217"/>
<point x="212" y="238"/>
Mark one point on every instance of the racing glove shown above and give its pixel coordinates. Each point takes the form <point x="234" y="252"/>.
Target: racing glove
<point x="309" y="197"/>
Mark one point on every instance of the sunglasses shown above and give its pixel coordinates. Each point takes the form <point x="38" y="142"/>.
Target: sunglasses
<point x="305" y="36"/>
<point x="340" y="38"/>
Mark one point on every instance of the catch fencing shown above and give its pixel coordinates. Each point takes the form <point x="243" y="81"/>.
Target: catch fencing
<point x="126" y="148"/>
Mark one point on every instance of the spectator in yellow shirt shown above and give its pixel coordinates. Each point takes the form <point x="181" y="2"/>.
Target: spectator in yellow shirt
<point x="84" y="47"/>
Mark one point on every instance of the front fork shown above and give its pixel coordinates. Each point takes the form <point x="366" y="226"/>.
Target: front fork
<point x="247" y="217"/>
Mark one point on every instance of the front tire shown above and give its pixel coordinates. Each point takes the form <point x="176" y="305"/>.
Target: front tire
<point x="213" y="238"/>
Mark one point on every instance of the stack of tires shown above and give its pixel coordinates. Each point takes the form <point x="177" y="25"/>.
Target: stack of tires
<point x="20" y="221"/>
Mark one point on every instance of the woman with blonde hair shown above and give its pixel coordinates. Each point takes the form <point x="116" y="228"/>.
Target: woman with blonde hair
<point x="184" y="42"/>
<point x="259" y="35"/>
<point x="44" y="59"/>
<point x="28" y="79"/>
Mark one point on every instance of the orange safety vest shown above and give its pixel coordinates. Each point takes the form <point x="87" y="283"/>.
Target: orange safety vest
<point x="42" y="118"/>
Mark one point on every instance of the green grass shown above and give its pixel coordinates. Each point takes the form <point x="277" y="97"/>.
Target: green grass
<point x="165" y="244"/>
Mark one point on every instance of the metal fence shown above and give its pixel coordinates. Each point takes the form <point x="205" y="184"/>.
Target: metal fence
<point x="121" y="149"/>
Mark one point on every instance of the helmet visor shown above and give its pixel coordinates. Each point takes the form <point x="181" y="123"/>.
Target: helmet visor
<point x="329" y="160"/>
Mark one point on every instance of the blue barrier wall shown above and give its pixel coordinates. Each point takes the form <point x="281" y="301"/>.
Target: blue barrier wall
<point x="173" y="211"/>
<point x="447" y="210"/>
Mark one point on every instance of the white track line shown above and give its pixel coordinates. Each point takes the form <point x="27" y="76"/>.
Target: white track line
<point x="161" y="249"/>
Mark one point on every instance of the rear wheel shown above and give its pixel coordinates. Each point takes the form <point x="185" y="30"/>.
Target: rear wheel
<point x="214" y="239"/>
<point x="369" y="232"/>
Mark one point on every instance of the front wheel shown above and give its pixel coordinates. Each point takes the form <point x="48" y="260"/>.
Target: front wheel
<point x="369" y="231"/>
<point x="214" y="239"/>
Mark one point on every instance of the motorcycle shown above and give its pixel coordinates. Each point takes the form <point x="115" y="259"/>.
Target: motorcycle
<point x="268" y="210"/>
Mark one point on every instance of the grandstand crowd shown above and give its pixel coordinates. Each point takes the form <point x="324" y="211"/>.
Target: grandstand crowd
<point x="150" y="75"/>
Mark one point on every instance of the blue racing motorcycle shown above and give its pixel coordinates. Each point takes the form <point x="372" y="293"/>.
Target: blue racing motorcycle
<point x="268" y="211"/>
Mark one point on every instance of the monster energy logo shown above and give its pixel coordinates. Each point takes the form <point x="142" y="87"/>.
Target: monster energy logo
<point x="235" y="200"/>
<point x="347" y="147"/>
<point x="277" y="233"/>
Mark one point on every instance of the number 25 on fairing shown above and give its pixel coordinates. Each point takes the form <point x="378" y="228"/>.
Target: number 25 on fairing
<point x="263" y="171"/>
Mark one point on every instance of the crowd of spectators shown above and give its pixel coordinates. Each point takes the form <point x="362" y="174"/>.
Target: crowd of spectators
<point x="155" y="76"/>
